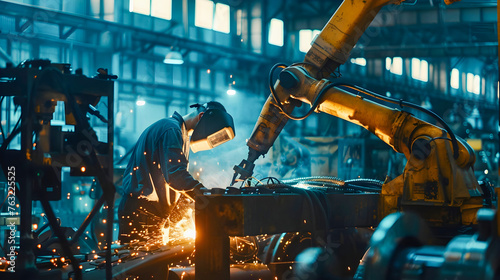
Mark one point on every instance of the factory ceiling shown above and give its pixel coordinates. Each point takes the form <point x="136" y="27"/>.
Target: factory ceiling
<point x="426" y="28"/>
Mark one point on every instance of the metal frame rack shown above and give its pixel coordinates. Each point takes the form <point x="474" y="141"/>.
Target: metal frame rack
<point x="36" y="86"/>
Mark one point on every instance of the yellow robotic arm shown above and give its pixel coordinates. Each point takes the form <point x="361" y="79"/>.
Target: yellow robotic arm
<point x="339" y="36"/>
<point x="329" y="50"/>
<point x="438" y="180"/>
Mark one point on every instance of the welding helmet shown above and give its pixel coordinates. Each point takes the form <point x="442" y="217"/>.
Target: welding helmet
<point x="215" y="127"/>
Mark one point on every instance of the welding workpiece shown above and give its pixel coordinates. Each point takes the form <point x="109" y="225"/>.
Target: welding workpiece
<point x="438" y="181"/>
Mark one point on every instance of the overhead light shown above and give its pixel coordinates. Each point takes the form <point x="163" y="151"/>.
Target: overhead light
<point x="140" y="102"/>
<point x="230" y="90"/>
<point x="173" y="57"/>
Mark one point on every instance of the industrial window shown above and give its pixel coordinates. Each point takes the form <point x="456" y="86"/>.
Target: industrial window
<point x="470" y="81"/>
<point x="359" y="61"/>
<point x="221" y="19"/>
<point x="455" y="78"/>
<point x="477" y="84"/>
<point x="397" y="66"/>
<point x="140" y="6"/>
<point x="388" y="62"/>
<point x="239" y="22"/>
<point x="276" y="32"/>
<point x="210" y="16"/>
<point x="306" y="36"/>
<point x="473" y="83"/>
<point x="156" y="8"/>
<point x="419" y="70"/>
<point x="161" y="9"/>
<point x="424" y="70"/>
<point x="483" y="86"/>
<point x="204" y="14"/>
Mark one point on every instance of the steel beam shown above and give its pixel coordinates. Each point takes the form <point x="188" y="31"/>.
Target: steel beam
<point x="64" y="34"/>
<point x="428" y="50"/>
<point x="139" y="34"/>
<point x="5" y="56"/>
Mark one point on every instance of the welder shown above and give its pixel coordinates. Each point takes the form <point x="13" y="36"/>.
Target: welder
<point x="157" y="173"/>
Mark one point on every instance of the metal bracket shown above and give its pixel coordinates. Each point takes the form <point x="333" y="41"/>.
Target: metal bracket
<point x="22" y="26"/>
<point x="64" y="34"/>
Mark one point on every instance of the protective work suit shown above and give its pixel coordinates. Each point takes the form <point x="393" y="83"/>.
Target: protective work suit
<point x="157" y="173"/>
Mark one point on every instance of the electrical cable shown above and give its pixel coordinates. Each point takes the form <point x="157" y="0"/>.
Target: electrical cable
<point x="251" y="177"/>
<point x="367" y="180"/>
<point x="311" y="195"/>
<point x="271" y="85"/>
<point x="347" y="188"/>
<point x="313" y="212"/>
<point x="444" y="138"/>
<point x="403" y="103"/>
<point x="315" y="194"/>
<point x="308" y="199"/>
<point x="273" y="180"/>
<point x="329" y="179"/>
<point x="362" y="185"/>
<point x="278" y="101"/>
